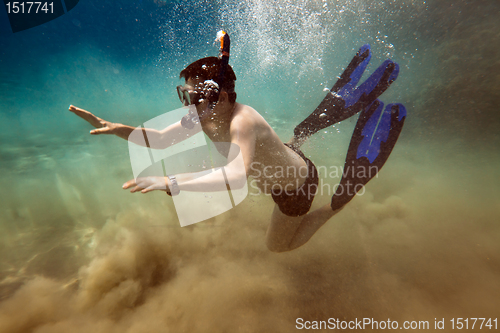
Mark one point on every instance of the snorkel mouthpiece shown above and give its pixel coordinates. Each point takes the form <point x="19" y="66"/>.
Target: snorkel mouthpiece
<point x="209" y="91"/>
<point x="191" y="119"/>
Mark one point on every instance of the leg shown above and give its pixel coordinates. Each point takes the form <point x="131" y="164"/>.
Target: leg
<point x="286" y="233"/>
<point x="374" y="137"/>
<point x="281" y="230"/>
<point x="290" y="209"/>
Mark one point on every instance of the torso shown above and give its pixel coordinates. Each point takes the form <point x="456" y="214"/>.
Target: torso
<point x="273" y="164"/>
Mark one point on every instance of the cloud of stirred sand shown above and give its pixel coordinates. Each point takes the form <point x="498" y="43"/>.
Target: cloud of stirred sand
<point x="422" y="243"/>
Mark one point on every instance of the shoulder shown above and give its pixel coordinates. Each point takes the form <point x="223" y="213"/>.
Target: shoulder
<point x="243" y="117"/>
<point x="246" y="116"/>
<point x="245" y="121"/>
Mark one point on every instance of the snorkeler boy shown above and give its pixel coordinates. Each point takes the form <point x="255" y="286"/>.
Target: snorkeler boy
<point x="225" y="120"/>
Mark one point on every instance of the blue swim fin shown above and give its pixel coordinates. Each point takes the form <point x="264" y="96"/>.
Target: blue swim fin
<point x="354" y="71"/>
<point x="345" y="99"/>
<point x="374" y="137"/>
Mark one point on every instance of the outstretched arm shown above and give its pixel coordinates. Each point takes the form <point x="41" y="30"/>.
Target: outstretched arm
<point x="156" y="139"/>
<point x="240" y="158"/>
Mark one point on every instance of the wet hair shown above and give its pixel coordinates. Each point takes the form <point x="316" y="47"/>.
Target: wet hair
<point x="208" y="69"/>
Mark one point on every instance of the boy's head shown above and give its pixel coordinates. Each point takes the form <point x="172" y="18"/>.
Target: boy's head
<point x="208" y="69"/>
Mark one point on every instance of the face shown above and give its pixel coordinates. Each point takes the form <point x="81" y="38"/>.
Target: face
<point x="187" y="93"/>
<point x="191" y="84"/>
<point x="202" y="108"/>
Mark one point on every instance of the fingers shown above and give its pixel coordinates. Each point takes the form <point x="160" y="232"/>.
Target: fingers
<point x="134" y="184"/>
<point x="136" y="189"/>
<point x="148" y="189"/>
<point x="129" y="184"/>
<point x="102" y="130"/>
<point x="74" y="109"/>
<point x="145" y="185"/>
<point x="87" y="116"/>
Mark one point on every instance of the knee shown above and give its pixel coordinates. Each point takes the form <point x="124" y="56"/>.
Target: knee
<point x="275" y="247"/>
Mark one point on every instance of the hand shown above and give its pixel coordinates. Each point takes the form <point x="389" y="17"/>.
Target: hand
<point x="103" y="126"/>
<point x="147" y="184"/>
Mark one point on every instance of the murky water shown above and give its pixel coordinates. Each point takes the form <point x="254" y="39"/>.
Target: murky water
<point x="80" y="254"/>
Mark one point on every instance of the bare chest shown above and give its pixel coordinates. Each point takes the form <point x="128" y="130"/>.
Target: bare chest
<point x="217" y="132"/>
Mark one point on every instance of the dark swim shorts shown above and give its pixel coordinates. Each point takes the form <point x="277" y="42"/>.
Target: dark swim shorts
<point x="297" y="202"/>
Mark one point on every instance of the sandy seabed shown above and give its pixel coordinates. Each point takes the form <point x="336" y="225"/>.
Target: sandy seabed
<point x="421" y="243"/>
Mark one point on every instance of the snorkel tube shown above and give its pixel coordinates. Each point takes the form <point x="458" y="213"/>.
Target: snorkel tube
<point x="225" y="44"/>
<point x="210" y="89"/>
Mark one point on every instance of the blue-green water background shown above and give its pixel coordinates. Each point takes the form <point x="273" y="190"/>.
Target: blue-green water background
<point x="422" y="243"/>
